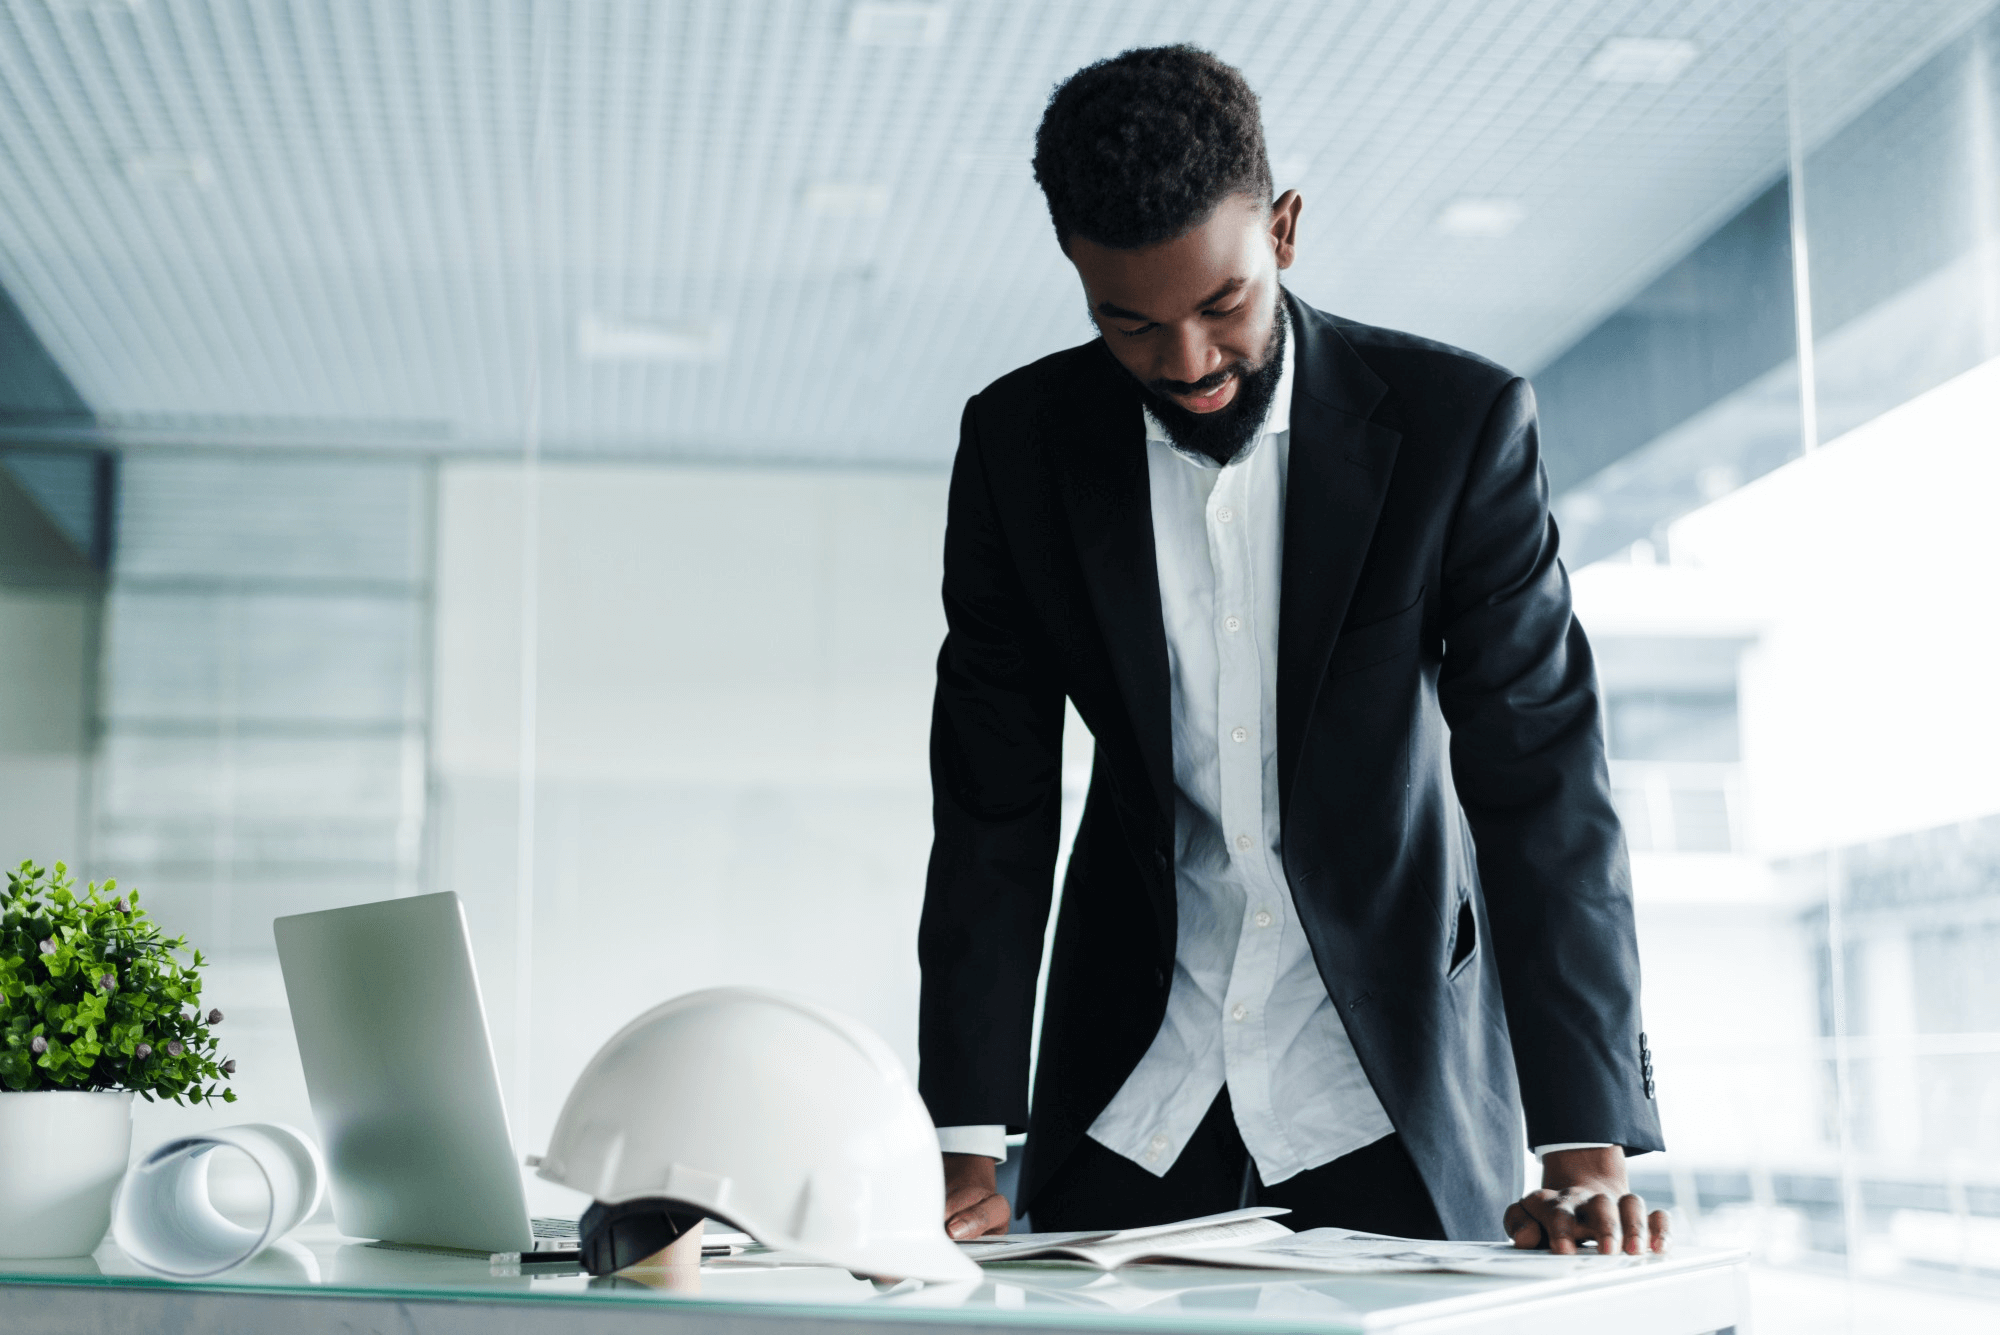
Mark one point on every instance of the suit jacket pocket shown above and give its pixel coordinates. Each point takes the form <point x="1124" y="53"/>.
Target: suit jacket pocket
<point x="1464" y="938"/>
<point x="1378" y="641"/>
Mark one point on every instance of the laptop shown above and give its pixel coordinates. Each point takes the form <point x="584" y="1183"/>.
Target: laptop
<point x="399" y="1067"/>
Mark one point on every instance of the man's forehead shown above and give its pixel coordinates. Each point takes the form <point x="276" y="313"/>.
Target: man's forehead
<point x="1210" y="262"/>
<point x="1158" y="304"/>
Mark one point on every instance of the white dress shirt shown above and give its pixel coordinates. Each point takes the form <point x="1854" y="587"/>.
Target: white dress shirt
<point x="1247" y="1007"/>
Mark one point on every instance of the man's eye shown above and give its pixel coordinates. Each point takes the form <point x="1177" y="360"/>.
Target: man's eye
<point x="1223" y="315"/>
<point x="1142" y="329"/>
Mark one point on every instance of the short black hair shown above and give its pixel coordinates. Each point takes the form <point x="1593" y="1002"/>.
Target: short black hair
<point x="1141" y="147"/>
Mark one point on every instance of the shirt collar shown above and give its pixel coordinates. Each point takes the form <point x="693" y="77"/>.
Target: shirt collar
<point x="1278" y="417"/>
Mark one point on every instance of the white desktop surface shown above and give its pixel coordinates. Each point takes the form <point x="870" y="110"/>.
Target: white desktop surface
<point x="320" y="1281"/>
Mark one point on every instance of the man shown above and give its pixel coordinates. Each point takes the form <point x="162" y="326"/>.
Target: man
<point x="1348" y="897"/>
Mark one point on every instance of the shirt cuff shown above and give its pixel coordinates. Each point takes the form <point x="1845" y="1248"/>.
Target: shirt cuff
<point x="990" y="1141"/>
<point x="1541" y="1150"/>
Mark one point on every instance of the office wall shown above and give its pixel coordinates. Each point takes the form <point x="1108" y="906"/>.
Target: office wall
<point x="49" y="598"/>
<point x="731" y="675"/>
<point x="48" y="645"/>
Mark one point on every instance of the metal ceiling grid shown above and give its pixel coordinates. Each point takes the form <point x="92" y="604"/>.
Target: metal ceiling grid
<point x="319" y="221"/>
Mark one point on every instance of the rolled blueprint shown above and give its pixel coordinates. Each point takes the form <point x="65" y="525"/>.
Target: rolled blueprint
<point x="164" y="1219"/>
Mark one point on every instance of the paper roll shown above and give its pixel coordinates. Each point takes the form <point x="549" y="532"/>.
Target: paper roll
<point x="164" y="1219"/>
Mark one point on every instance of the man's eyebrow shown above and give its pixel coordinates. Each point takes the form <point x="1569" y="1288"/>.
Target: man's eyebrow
<point x="1118" y="312"/>
<point x="1223" y="291"/>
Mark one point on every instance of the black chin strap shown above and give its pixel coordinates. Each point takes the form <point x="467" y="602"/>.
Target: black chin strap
<point x="616" y="1236"/>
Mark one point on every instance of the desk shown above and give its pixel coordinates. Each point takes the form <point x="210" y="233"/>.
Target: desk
<point x="318" y="1281"/>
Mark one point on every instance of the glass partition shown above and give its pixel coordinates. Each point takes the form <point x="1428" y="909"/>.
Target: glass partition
<point x="1791" y="653"/>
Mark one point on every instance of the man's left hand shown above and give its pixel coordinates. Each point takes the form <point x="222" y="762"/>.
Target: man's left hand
<point x="1585" y="1198"/>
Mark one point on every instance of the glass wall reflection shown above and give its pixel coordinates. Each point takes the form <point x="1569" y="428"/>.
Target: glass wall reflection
<point x="1789" y="609"/>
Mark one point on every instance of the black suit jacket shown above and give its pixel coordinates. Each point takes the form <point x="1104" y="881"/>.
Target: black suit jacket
<point x="1447" y="824"/>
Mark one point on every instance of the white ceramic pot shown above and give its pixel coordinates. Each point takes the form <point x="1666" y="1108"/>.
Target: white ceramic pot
<point x="62" y="1154"/>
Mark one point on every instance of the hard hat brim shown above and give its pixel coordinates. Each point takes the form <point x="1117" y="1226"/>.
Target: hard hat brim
<point x="933" y="1260"/>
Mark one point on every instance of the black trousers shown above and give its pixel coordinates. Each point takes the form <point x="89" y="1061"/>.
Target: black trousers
<point x="1376" y="1188"/>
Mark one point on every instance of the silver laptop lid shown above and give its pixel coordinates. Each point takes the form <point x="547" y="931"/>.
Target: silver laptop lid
<point x="400" y="1070"/>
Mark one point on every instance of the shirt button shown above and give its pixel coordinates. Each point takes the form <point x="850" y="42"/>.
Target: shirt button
<point x="1232" y="624"/>
<point x="1239" y="734"/>
<point x="1225" y="514"/>
<point x="1241" y="1012"/>
<point x="1158" y="1143"/>
<point x="1243" y="842"/>
<point x="1262" y="919"/>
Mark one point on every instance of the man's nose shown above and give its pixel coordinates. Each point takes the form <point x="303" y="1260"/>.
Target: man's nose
<point x="1188" y="355"/>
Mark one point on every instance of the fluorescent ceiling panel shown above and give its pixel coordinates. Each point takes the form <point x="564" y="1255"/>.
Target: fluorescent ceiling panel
<point x="1476" y="216"/>
<point x="847" y="199"/>
<point x="606" y="340"/>
<point x="897" y="24"/>
<point x="1642" y="59"/>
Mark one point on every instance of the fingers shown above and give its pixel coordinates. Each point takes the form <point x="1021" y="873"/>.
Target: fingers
<point x="987" y="1215"/>
<point x="972" y="1207"/>
<point x="1564" y="1221"/>
<point x="1556" y="1217"/>
<point x="962" y="1198"/>
<point x="1522" y="1228"/>
<point x="1597" y="1221"/>
<point x="968" y="1180"/>
<point x="1632" y="1222"/>
<point x="1643" y="1232"/>
<point x="994" y="1215"/>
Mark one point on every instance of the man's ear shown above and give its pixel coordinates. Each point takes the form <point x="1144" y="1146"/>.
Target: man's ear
<point x="1285" y="227"/>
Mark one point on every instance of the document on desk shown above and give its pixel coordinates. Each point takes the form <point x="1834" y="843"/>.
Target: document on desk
<point x="1170" y="1244"/>
<point x="1342" y="1251"/>
<point x="1254" y="1240"/>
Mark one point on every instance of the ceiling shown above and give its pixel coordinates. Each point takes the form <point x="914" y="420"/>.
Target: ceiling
<point x="790" y="231"/>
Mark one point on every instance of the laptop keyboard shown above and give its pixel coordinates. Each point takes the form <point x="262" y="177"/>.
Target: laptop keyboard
<point x="561" y="1235"/>
<point x="552" y="1234"/>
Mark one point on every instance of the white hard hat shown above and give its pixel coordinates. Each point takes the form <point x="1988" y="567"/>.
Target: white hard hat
<point x="775" y="1115"/>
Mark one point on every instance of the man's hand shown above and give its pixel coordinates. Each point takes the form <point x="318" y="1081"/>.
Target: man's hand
<point x="1585" y="1198"/>
<point x="973" y="1205"/>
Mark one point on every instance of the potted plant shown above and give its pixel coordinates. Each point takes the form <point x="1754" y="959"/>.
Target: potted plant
<point x="95" y="1006"/>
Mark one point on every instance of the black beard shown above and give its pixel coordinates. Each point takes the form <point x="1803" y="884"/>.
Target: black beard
<point x="1226" y="432"/>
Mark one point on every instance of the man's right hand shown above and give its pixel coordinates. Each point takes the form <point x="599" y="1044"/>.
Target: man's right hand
<point x="973" y="1205"/>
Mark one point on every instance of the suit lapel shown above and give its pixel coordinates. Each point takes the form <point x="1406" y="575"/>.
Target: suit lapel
<point x="1338" y="473"/>
<point x="1110" y="502"/>
<point x="1339" y="469"/>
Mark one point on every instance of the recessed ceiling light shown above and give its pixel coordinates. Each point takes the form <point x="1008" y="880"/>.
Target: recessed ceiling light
<point x="877" y="23"/>
<point x="847" y="199"/>
<point x="169" y="169"/>
<point x="1641" y="59"/>
<point x="602" y="339"/>
<point x="1473" y="215"/>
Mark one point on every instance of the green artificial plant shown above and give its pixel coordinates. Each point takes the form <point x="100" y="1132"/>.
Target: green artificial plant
<point x="92" y="996"/>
